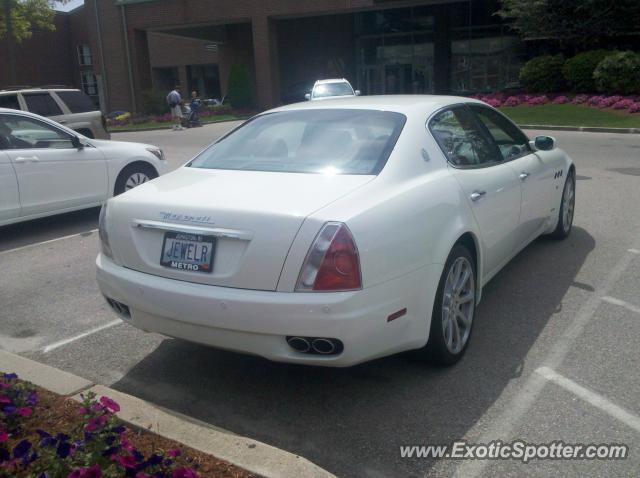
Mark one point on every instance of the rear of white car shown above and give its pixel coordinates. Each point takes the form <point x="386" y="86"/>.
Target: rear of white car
<point x="245" y="259"/>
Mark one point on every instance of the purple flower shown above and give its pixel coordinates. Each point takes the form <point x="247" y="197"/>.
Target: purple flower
<point x="91" y="472"/>
<point x="118" y="429"/>
<point x="154" y="460"/>
<point x="64" y="448"/>
<point x="110" y="404"/>
<point x="21" y="449"/>
<point x="4" y="400"/>
<point x="511" y="101"/>
<point x="3" y="436"/>
<point x="184" y="473"/>
<point x="9" y="409"/>
<point x="125" y="461"/>
<point x="111" y="451"/>
<point x="560" y="100"/>
<point x="32" y="399"/>
<point x="634" y="108"/>
<point x="10" y="376"/>
<point x="4" y="455"/>
<point x="24" y="411"/>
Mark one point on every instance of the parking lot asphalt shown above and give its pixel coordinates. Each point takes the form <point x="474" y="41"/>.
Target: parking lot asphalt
<point x="561" y="318"/>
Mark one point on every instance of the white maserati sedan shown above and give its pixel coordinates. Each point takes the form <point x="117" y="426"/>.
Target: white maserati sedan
<point x="334" y="232"/>
<point x="47" y="168"/>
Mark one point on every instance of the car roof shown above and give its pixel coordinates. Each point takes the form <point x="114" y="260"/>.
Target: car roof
<point x="331" y="80"/>
<point x="36" y="90"/>
<point x="404" y="104"/>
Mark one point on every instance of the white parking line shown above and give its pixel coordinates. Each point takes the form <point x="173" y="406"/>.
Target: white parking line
<point x="59" y="344"/>
<point x="593" y="398"/>
<point x="28" y="246"/>
<point x="503" y="425"/>
<point x="622" y="303"/>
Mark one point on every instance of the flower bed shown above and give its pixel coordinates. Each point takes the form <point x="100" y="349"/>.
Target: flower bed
<point x="630" y="104"/>
<point x="206" y="114"/>
<point x="43" y="435"/>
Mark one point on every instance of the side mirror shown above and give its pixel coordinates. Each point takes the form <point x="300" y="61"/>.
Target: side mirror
<point x="75" y="141"/>
<point x="358" y="93"/>
<point x="544" y="143"/>
<point x="307" y="96"/>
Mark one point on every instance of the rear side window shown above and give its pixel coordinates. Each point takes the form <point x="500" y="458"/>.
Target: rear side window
<point x="9" y="101"/>
<point x="331" y="141"/>
<point x="76" y="101"/>
<point x="510" y="140"/>
<point x="461" y="139"/>
<point x="41" y="104"/>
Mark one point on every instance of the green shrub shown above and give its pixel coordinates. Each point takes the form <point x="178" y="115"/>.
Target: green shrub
<point x="619" y="73"/>
<point x="578" y="70"/>
<point x="154" y="102"/>
<point x="240" y="94"/>
<point x="543" y="74"/>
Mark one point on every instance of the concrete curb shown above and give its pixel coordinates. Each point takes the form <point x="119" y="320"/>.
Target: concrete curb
<point x="167" y="126"/>
<point x="251" y="455"/>
<point x="584" y="129"/>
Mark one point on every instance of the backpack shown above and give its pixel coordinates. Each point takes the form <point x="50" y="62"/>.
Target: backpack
<point x="171" y="100"/>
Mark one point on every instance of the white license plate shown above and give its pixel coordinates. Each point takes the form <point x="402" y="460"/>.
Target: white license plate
<point x="188" y="252"/>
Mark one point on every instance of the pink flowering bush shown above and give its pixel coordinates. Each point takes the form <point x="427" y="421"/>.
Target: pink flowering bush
<point x="608" y="101"/>
<point x="538" y="100"/>
<point x="97" y="448"/>
<point x="511" y="101"/>
<point x="634" y="108"/>
<point x="594" y="100"/>
<point x="580" y="99"/>
<point x="560" y="100"/>
<point x="623" y="104"/>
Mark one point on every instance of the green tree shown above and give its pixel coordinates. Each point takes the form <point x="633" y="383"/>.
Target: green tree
<point x="578" y="23"/>
<point x="18" y="20"/>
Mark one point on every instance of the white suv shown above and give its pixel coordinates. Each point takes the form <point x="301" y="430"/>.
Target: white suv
<point x="333" y="88"/>
<point x="69" y="107"/>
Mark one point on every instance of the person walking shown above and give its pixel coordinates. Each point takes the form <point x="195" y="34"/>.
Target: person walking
<point x="174" y="99"/>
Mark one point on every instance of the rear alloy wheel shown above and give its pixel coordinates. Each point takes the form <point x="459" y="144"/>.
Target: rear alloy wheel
<point x="133" y="176"/>
<point x="567" y="208"/>
<point x="454" y="309"/>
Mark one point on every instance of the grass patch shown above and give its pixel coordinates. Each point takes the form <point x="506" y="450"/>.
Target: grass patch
<point x="155" y="125"/>
<point x="571" y="115"/>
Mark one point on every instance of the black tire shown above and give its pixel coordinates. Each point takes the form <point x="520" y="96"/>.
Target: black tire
<point x="131" y="170"/>
<point x="562" y="231"/>
<point x="436" y="351"/>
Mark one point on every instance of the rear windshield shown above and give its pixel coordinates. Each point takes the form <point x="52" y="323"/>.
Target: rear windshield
<point x="77" y="101"/>
<point x="335" y="141"/>
<point x="325" y="90"/>
<point x="9" y="101"/>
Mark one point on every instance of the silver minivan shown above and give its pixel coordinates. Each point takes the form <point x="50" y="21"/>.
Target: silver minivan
<point x="70" y="107"/>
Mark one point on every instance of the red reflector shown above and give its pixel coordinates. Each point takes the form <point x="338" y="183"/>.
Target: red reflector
<point x="340" y="267"/>
<point x="397" y="315"/>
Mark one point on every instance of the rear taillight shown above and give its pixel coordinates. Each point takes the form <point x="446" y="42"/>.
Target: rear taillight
<point x="332" y="263"/>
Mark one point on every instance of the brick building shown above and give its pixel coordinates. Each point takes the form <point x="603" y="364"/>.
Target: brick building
<point x="381" y="46"/>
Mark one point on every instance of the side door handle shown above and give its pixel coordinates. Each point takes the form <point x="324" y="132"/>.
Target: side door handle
<point x="27" y="159"/>
<point x="524" y="175"/>
<point x="477" y="195"/>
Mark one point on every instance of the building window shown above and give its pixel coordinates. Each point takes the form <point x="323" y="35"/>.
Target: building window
<point x="84" y="55"/>
<point x="89" y="83"/>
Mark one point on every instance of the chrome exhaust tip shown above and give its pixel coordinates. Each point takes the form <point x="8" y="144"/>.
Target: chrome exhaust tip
<point x="323" y="346"/>
<point x="299" y="344"/>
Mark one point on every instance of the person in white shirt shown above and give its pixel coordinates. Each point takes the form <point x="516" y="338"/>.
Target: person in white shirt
<point x="174" y="99"/>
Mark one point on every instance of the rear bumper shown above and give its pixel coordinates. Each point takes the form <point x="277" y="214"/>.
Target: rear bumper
<point x="257" y="322"/>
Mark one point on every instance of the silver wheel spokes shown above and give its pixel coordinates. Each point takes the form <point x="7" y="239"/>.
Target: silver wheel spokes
<point x="458" y="305"/>
<point x="136" y="179"/>
<point x="568" y="205"/>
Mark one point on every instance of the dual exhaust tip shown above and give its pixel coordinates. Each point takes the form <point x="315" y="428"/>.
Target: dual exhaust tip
<point x="315" y="345"/>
